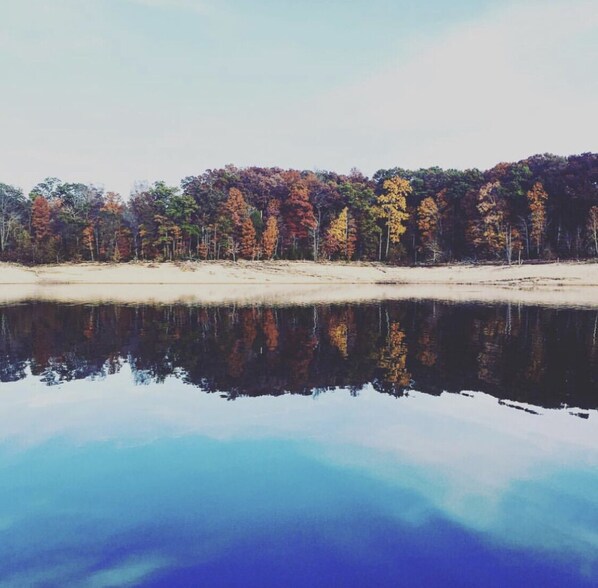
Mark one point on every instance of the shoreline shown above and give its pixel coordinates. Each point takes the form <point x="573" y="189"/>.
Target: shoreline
<point x="300" y="282"/>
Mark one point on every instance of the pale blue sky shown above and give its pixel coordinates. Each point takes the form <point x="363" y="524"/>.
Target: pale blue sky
<point x="114" y="91"/>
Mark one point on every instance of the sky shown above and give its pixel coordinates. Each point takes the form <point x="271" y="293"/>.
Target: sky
<point x="112" y="92"/>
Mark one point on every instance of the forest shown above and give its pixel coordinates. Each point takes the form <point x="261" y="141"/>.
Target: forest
<point x="544" y="207"/>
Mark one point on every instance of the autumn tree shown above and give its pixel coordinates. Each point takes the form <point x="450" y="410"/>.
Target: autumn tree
<point x="298" y="214"/>
<point x="248" y="245"/>
<point x="41" y="229"/>
<point x="537" y="198"/>
<point x="228" y="232"/>
<point x="392" y="203"/>
<point x="489" y="232"/>
<point x="341" y="236"/>
<point x="89" y="240"/>
<point x="236" y="207"/>
<point x="513" y="242"/>
<point x="428" y="223"/>
<point x="270" y="238"/>
<point x="492" y="232"/>
<point x="444" y="213"/>
<point x="326" y="198"/>
<point x="40" y="219"/>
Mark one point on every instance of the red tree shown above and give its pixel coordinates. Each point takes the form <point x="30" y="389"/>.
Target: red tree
<point x="298" y="214"/>
<point x="248" y="247"/>
<point x="43" y="240"/>
<point x="40" y="219"/>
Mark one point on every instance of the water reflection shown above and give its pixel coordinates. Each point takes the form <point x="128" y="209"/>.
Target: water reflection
<point x="379" y="478"/>
<point x="539" y="356"/>
<point x="104" y="483"/>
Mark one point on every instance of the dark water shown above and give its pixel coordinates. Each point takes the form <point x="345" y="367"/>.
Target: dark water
<point x="411" y="443"/>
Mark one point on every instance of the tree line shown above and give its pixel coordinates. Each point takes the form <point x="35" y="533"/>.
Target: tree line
<point x="544" y="207"/>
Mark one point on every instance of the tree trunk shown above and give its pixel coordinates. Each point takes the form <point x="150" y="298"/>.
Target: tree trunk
<point x="387" y="242"/>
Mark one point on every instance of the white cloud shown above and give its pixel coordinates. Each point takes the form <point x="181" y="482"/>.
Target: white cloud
<point x="129" y="572"/>
<point x="518" y="82"/>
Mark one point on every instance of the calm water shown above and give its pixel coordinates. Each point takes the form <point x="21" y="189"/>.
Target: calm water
<point x="395" y="444"/>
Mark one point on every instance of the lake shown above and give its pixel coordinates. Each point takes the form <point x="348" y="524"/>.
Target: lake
<point x="412" y="443"/>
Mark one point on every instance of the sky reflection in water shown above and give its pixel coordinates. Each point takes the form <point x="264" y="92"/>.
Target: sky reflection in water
<point x="105" y="483"/>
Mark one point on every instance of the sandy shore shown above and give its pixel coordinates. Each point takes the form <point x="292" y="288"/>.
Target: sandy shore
<point x="570" y="284"/>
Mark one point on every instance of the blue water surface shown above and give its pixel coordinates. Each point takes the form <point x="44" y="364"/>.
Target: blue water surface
<point x="192" y="510"/>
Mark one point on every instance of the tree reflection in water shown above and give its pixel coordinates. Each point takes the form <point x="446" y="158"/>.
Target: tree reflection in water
<point x="541" y="356"/>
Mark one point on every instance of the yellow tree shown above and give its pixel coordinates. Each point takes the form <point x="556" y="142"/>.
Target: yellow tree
<point x="494" y="232"/>
<point x="536" y="199"/>
<point x="491" y="233"/>
<point x="392" y="206"/>
<point x="428" y="223"/>
<point x="341" y="235"/>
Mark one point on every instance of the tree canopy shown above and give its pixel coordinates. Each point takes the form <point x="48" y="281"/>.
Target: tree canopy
<point x="543" y="207"/>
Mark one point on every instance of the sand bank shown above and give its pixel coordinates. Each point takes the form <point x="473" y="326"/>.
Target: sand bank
<point x="285" y="282"/>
